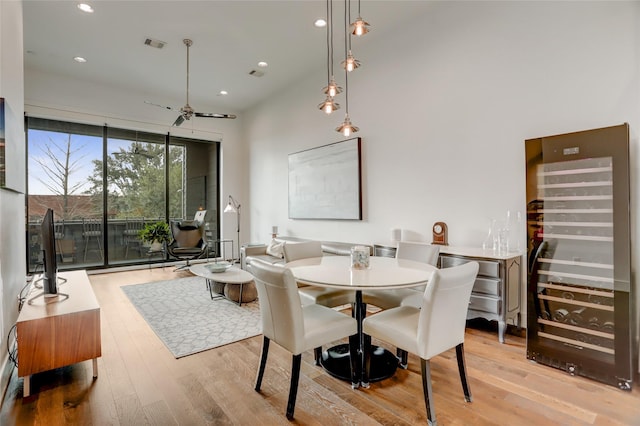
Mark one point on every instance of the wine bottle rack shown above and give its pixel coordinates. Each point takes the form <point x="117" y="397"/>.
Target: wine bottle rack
<point x="578" y="306"/>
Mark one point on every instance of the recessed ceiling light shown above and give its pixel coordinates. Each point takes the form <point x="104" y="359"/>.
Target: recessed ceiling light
<point x="80" y="59"/>
<point x="320" y="23"/>
<point x="223" y="92"/>
<point x="263" y="64"/>
<point x="85" y="7"/>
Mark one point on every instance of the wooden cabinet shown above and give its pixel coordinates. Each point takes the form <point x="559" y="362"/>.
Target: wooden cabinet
<point x="497" y="291"/>
<point x="54" y="332"/>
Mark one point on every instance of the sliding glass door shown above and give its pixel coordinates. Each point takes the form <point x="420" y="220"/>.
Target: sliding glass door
<point x="146" y="178"/>
<point x="135" y="191"/>
<point x="61" y="174"/>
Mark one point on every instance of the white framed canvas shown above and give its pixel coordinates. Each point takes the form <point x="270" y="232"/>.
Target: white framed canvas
<point x="325" y="182"/>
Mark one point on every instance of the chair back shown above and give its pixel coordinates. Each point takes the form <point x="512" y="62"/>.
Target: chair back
<point x="419" y="252"/>
<point x="302" y="250"/>
<point x="444" y="309"/>
<point x="187" y="235"/>
<point x="92" y="227"/>
<point x="133" y="225"/>
<point x="58" y="228"/>
<point x="280" y="306"/>
<point x="199" y="216"/>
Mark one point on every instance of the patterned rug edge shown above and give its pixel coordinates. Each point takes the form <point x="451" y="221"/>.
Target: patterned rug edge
<point x="146" y="297"/>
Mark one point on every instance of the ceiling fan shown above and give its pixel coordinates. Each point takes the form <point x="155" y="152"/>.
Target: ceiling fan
<point x="186" y="112"/>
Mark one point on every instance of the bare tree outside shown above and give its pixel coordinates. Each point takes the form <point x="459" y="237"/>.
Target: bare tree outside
<point x="59" y="161"/>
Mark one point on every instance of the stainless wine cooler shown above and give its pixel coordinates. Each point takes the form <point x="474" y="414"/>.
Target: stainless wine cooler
<point x="580" y="298"/>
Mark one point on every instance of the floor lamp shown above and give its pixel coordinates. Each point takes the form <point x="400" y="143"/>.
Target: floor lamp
<point x="234" y="207"/>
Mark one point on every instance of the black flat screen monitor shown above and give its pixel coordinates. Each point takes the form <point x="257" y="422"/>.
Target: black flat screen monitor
<point x="49" y="278"/>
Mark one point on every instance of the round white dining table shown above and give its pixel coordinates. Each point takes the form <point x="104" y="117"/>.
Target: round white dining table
<point x="383" y="273"/>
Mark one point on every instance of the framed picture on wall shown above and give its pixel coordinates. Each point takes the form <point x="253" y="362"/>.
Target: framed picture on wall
<point x="325" y="182"/>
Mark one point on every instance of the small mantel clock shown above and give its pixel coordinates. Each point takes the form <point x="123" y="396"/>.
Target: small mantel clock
<point x="440" y="234"/>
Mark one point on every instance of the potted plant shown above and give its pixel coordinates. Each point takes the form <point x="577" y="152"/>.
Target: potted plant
<point x="156" y="234"/>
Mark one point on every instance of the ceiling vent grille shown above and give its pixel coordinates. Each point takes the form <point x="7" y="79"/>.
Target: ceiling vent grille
<point x="154" y="43"/>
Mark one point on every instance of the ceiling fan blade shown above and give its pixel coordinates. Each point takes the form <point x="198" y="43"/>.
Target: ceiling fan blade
<point x="162" y="106"/>
<point x="178" y="121"/>
<point x="214" y="115"/>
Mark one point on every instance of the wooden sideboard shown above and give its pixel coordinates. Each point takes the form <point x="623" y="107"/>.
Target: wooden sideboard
<point x="53" y="333"/>
<point x="497" y="291"/>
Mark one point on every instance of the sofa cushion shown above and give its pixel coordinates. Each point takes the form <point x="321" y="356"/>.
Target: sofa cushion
<point x="272" y="260"/>
<point x="275" y="248"/>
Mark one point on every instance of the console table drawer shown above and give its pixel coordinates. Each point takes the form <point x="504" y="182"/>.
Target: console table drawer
<point x="487" y="286"/>
<point x="496" y="290"/>
<point x="384" y="251"/>
<point x="486" y="267"/>
<point x="484" y="304"/>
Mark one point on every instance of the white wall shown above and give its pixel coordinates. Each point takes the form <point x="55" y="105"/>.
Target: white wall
<point x="12" y="237"/>
<point x="444" y="108"/>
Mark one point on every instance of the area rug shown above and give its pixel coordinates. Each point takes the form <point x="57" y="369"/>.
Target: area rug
<point x="185" y="318"/>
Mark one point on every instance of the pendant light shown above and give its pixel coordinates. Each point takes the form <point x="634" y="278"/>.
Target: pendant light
<point x="350" y="63"/>
<point x="346" y="128"/>
<point x="359" y="26"/>
<point x="332" y="89"/>
<point x="329" y="105"/>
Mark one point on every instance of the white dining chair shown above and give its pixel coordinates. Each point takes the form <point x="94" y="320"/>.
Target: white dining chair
<point x="416" y="251"/>
<point x="295" y="327"/>
<point x="436" y="327"/>
<point x="389" y="299"/>
<point x="310" y="294"/>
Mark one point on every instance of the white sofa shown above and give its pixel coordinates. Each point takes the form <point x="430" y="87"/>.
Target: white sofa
<point x="331" y="248"/>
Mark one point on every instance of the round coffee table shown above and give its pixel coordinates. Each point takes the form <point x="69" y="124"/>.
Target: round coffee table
<point x="234" y="284"/>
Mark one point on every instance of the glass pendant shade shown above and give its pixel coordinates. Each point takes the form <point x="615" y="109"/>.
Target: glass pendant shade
<point x="346" y="128"/>
<point x="332" y="89"/>
<point x="328" y="106"/>
<point x="350" y="63"/>
<point x="360" y="27"/>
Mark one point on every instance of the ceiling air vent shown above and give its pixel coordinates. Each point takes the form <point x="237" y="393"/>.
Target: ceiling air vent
<point x="256" y="73"/>
<point x="154" y="43"/>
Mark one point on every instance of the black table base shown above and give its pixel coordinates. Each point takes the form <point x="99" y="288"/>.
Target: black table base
<point x="336" y="362"/>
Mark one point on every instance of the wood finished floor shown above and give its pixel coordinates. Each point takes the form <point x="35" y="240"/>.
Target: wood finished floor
<point x="141" y="383"/>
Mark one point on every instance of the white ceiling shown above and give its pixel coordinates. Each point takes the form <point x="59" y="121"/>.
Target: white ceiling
<point x="229" y="38"/>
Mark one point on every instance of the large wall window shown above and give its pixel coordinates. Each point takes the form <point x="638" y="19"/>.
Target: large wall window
<point x="146" y="177"/>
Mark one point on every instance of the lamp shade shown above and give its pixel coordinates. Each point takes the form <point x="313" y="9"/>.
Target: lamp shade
<point x="332" y="89"/>
<point x="328" y="106"/>
<point x="346" y="128"/>
<point x="350" y="63"/>
<point x="232" y="206"/>
<point x="359" y="27"/>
